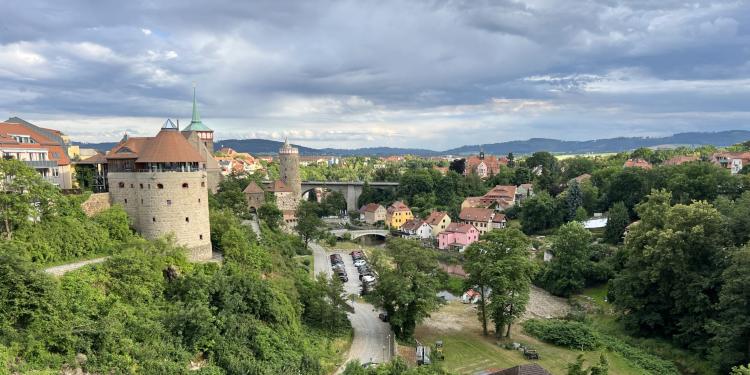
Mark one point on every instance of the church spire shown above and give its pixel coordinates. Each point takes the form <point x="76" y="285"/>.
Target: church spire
<point x="196" y="124"/>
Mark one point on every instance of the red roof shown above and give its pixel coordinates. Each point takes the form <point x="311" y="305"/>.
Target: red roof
<point x="637" y="163"/>
<point x="525" y="369"/>
<point x="169" y="146"/>
<point x="435" y="217"/>
<point x="56" y="151"/>
<point x="252" y="188"/>
<point x="398" y="206"/>
<point x="459" y="228"/>
<point x="493" y="164"/>
<point x="476" y="214"/>
<point x="412" y="225"/>
<point x="677" y="160"/>
<point x="498" y="218"/>
<point x="475" y="202"/>
<point x="370" y="207"/>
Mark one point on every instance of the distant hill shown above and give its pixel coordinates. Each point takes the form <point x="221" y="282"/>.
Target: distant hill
<point x="723" y="138"/>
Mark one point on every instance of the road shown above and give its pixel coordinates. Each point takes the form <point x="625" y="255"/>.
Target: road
<point x="371" y="341"/>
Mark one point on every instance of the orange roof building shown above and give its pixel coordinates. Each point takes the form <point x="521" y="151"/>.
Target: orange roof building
<point x="637" y="163"/>
<point x="45" y="150"/>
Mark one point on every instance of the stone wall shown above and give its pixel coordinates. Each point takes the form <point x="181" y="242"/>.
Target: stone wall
<point x="96" y="203"/>
<point x="255" y="200"/>
<point x="286" y="201"/>
<point x="163" y="203"/>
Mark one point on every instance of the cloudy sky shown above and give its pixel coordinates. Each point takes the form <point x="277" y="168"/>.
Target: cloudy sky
<point x="433" y="74"/>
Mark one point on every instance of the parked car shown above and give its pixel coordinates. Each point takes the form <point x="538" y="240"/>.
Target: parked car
<point x="360" y="262"/>
<point x="383" y="316"/>
<point x="342" y="276"/>
<point x="368" y="279"/>
<point x="337" y="266"/>
<point x="363" y="269"/>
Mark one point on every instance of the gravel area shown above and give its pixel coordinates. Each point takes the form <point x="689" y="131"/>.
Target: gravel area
<point x="65" y="268"/>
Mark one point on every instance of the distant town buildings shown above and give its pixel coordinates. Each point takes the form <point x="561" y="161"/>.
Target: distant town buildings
<point x="484" y="166"/>
<point x="733" y="161"/>
<point x="438" y="221"/>
<point x="637" y="163"/>
<point x="45" y="150"/>
<point x="457" y="236"/>
<point x="372" y="213"/>
<point x="416" y="229"/>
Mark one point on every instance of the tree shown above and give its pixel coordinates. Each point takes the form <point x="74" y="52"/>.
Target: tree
<point x="334" y="203"/>
<point x="522" y="175"/>
<point x="740" y="370"/>
<point x="407" y="290"/>
<point x="24" y="194"/>
<point x="540" y="212"/>
<point x="270" y="214"/>
<point x="577" y="166"/>
<point x="617" y="222"/>
<point x="576" y="368"/>
<point x="731" y="344"/>
<point x="511" y="160"/>
<point x="671" y="278"/>
<point x="566" y="273"/>
<point x="116" y="221"/>
<point x="500" y="262"/>
<point x="573" y="200"/>
<point x="458" y="166"/>
<point x="308" y="222"/>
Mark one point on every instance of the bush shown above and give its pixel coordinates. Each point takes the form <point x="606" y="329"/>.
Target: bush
<point x="565" y="333"/>
<point x="651" y="363"/>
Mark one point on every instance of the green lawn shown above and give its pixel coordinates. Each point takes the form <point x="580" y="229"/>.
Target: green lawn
<point x="468" y="352"/>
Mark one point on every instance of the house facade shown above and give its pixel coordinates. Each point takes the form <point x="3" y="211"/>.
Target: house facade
<point x="457" y="237"/>
<point x="44" y="150"/>
<point x="733" y="161"/>
<point x="416" y="228"/>
<point x="397" y="214"/>
<point x="372" y="213"/>
<point x="438" y="222"/>
<point x="480" y="218"/>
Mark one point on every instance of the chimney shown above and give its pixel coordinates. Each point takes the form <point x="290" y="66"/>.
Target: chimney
<point x="178" y="124"/>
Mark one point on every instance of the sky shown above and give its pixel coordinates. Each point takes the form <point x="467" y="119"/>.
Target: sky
<point x="346" y="74"/>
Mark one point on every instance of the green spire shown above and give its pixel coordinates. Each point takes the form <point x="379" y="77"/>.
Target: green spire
<point x="196" y="124"/>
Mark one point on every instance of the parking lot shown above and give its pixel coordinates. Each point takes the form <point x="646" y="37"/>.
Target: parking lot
<point x="371" y="341"/>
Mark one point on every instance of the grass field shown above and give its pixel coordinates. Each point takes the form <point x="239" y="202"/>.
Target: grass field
<point x="467" y="352"/>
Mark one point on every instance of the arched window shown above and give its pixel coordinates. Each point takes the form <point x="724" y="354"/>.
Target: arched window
<point x="121" y="185"/>
<point x="126" y="200"/>
<point x="184" y="185"/>
<point x="153" y="219"/>
<point x="200" y="236"/>
<point x="160" y="186"/>
<point x="187" y="219"/>
<point x="203" y="184"/>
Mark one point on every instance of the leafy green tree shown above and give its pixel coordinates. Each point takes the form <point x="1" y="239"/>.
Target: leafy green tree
<point x="737" y="214"/>
<point x="334" y="203"/>
<point x="116" y="221"/>
<point x="24" y="195"/>
<point x="458" y="166"/>
<point x="617" y="222"/>
<point x="576" y="368"/>
<point x="26" y="293"/>
<point x="540" y="212"/>
<point x="511" y="160"/>
<point x="566" y="273"/>
<point x="671" y="279"/>
<point x="309" y="223"/>
<point x="270" y="214"/>
<point x="577" y="166"/>
<point x="407" y="290"/>
<point x="522" y="175"/>
<point x="740" y="370"/>
<point x="731" y="343"/>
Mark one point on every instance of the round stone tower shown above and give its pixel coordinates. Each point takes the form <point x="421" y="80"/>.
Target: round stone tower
<point x="289" y="168"/>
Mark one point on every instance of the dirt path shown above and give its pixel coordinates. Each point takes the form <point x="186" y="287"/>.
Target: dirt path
<point x="65" y="268"/>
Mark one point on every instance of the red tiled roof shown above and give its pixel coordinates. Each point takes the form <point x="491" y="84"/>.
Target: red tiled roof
<point x="526" y="369"/>
<point x="412" y="225"/>
<point x="475" y="202"/>
<point x="435" y="217"/>
<point x="677" y="160"/>
<point x="583" y="177"/>
<point x="97" y="158"/>
<point x="56" y="152"/>
<point x="128" y="149"/>
<point x="458" y="228"/>
<point x="493" y="163"/>
<point x="502" y="191"/>
<point x="169" y="146"/>
<point x="370" y="207"/>
<point x="398" y="206"/>
<point x="637" y="163"/>
<point x="252" y="188"/>
<point x="476" y="214"/>
<point x="498" y="218"/>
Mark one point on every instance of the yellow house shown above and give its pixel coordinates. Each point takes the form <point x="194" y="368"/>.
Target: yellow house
<point x="397" y="214"/>
<point x="438" y="221"/>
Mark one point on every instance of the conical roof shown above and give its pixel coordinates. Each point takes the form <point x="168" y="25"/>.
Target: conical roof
<point x="196" y="124"/>
<point x="169" y="146"/>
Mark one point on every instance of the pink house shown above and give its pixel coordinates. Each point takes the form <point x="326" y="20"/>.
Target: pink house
<point x="457" y="236"/>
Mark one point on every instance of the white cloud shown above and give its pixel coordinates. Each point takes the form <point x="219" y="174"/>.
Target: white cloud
<point x="146" y="31"/>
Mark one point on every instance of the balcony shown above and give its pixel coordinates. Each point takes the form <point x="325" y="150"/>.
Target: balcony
<point x="41" y="164"/>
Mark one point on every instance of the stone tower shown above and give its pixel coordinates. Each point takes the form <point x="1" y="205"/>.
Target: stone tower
<point x="289" y="168"/>
<point x="161" y="182"/>
<point x="202" y="138"/>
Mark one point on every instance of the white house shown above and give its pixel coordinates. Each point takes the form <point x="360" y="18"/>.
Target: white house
<point x="416" y="228"/>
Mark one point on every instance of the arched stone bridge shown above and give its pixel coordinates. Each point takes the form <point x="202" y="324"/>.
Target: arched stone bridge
<point x="360" y="233"/>
<point x="350" y="189"/>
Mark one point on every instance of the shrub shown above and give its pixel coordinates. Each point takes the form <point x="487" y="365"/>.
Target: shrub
<point x="565" y="333"/>
<point x="651" y="363"/>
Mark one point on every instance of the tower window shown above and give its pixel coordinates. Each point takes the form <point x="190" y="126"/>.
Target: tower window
<point x="160" y="186"/>
<point x="203" y="184"/>
<point x="126" y="200"/>
<point x="169" y="202"/>
<point x="187" y="219"/>
<point x="184" y="185"/>
<point x="200" y="236"/>
<point x="131" y="186"/>
<point x="153" y="219"/>
<point x="141" y="200"/>
<point x="121" y="185"/>
<point x="141" y="186"/>
<point x="199" y="200"/>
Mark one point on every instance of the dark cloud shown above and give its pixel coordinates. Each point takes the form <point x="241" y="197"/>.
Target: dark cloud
<point x="422" y="73"/>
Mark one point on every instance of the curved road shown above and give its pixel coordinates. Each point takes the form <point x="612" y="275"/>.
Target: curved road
<point x="371" y="336"/>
